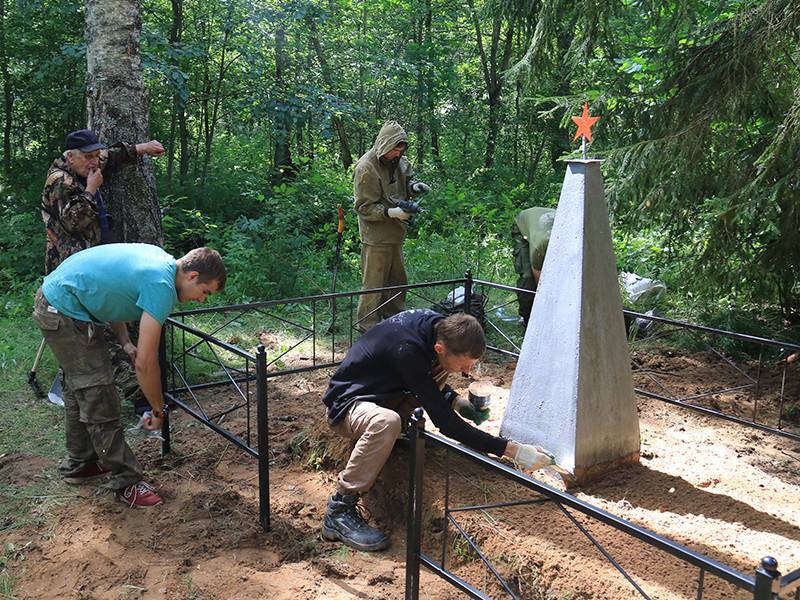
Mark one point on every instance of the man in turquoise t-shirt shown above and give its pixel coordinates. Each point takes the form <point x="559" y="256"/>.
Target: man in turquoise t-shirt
<point x="107" y="286"/>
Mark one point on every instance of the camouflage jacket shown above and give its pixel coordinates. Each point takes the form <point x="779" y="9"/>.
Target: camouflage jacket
<point x="69" y="212"/>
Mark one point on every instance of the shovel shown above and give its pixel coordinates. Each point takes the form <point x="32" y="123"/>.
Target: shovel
<point x="37" y="389"/>
<point x="56" y="394"/>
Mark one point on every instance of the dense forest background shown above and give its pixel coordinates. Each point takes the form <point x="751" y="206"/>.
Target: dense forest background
<point x="265" y="105"/>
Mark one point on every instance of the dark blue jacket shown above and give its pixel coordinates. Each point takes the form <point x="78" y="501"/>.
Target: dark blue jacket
<point x="395" y="359"/>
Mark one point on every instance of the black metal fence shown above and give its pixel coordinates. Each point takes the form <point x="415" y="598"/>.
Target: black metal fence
<point x="195" y="361"/>
<point x="196" y="358"/>
<point x="764" y="583"/>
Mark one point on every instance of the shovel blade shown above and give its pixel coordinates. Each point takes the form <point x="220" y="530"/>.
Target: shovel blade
<point x="56" y="394"/>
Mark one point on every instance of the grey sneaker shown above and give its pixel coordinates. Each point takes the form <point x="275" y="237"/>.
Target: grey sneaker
<point x="343" y="522"/>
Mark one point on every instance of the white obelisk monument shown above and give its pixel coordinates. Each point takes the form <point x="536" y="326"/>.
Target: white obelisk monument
<point x="572" y="391"/>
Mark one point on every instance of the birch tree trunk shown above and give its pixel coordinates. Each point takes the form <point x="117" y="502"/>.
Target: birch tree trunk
<point x="117" y="111"/>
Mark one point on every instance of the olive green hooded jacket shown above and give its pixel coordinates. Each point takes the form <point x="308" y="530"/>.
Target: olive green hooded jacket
<point x="531" y="235"/>
<point x="377" y="187"/>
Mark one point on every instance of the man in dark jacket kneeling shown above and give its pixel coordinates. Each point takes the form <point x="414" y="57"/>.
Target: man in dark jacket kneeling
<point x="398" y="365"/>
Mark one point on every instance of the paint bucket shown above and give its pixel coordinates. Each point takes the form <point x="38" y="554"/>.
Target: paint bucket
<point x="480" y="395"/>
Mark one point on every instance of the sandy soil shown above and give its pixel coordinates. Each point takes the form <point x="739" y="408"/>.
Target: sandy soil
<point x="727" y="491"/>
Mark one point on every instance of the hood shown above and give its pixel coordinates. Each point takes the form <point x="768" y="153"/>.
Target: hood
<point x="389" y="136"/>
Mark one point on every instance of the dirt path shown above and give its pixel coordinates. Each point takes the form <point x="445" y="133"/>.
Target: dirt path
<point x="723" y="490"/>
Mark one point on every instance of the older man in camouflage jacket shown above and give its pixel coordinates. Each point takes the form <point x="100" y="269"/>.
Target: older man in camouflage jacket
<point x="383" y="185"/>
<point x="74" y="215"/>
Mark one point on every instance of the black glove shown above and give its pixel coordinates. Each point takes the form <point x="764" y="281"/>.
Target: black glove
<point x="411" y="208"/>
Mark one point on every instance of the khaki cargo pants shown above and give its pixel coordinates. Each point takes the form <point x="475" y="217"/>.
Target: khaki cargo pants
<point x="381" y="266"/>
<point x="91" y="403"/>
<point x="375" y="430"/>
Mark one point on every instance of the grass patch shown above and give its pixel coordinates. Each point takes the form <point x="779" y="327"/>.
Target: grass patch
<point x="30" y="425"/>
<point x="11" y="553"/>
<point x="33" y="503"/>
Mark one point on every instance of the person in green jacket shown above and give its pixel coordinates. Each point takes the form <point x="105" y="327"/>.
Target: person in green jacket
<point x="383" y="187"/>
<point x="530" y="235"/>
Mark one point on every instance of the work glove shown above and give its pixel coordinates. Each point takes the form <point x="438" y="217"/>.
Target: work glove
<point x="420" y="188"/>
<point x="533" y="457"/>
<point x="468" y="411"/>
<point x="398" y="213"/>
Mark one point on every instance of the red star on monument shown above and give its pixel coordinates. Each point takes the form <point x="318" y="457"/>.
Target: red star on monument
<point x="584" y="123"/>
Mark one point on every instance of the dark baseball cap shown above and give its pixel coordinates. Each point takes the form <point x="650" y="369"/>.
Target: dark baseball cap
<point x="84" y="140"/>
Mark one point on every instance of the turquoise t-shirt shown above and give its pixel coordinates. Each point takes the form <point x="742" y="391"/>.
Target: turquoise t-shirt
<point x="114" y="283"/>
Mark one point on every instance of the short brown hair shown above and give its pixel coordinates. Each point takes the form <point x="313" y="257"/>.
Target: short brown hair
<point x="461" y="334"/>
<point x="207" y="263"/>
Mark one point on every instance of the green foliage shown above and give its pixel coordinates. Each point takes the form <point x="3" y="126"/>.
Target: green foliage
<point x="11" y="554"/>
<point x="22" y="244"/>
<point x="313" y="451"/>
<point x="700" y="125"/>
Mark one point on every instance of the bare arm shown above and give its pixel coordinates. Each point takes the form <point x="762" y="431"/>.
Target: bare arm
<point x="121" y="331"/>
<point x="153" y="148"/>
<point x="148" y="371"/>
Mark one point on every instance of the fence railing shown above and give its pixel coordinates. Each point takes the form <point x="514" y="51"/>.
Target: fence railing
<point x="188" y="354"/>
<point x="763" y="584"/>
<point x="325" y="327"/>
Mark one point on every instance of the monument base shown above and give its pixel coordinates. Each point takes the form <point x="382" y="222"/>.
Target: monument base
<point x="585" y="475"/>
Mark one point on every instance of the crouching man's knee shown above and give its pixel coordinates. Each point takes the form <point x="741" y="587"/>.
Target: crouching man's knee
<point x="388" y="424"/>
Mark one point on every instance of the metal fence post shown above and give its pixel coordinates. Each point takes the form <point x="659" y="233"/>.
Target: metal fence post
<point x="166" y="446"/>
<point x="766" y="575"/>
<point x="416" y="464"/>
<point x="263" y="437"/>
<point x="468" y="292"/>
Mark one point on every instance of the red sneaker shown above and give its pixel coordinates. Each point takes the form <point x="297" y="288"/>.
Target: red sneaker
<point x="91" y="471"/>
<point x="139" y="495"/>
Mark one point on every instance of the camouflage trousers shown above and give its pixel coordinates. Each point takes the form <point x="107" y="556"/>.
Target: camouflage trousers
<point x="525" y="280"/>
<point x="381" y="266"/>
<point x="91" y="403"/>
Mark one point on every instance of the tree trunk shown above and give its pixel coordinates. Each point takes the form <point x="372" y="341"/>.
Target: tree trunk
<point x="362" y="97"/>
<point x="282" y="159"/>
<point x="493" y="67"/>
<point x="338" y="125"/>
<point x="419" y="101"/>
<point x="8" y="93"/>
<point x="183" y="135"/>
<point x="170" y="145"/>
<point x="433" y="123"/>
<point x="213" y="118"/>
<point x="177" y="102"/>
<point x="117" y="111"/>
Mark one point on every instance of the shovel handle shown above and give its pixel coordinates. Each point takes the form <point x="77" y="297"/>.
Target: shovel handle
<point x="340" y="227"/>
